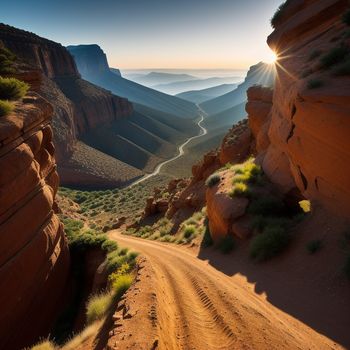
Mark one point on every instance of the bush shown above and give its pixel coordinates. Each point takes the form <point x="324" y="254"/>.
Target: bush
<point x="333" y="57"/>
<point x="271" y="242"/>
<point x="12" y="89"/>
<point x="276" y="18"/>
<point x="240" y="189"/>
<point x="226" y="245"/>
<point x="267" y="206"/>
<point x="6" y="107"/>
<point x="189" y="231"/>
<point x="97" y="306"/>
<point x="260" y="222"/>
<point x="121" y="284"/>
<point x="212" y="180"/>
<point x="314" y="246"/>
<point x="314" y="83"/>
<point x="346" y="18"/>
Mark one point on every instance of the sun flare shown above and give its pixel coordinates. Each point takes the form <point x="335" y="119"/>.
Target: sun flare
<point x="271" y="57"/>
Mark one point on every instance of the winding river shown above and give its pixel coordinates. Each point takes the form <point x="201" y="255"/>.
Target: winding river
<point x="203" y="131"/>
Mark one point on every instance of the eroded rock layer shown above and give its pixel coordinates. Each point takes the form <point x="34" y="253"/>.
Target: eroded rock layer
<point x="34" y="257"/>
<point x="78" y="106"/>
<point x="310" y="124"/>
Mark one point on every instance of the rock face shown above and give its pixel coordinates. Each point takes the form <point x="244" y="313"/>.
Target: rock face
<point x="34" y="257"/>
<point x="78" y="106"/>
<point x="310" y="127"/>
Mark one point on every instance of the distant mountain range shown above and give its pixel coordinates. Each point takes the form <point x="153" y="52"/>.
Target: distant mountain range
<point x="199" y="96"/>
<point x="156" y="78"/>
<point x="92" y="65"/>
<point x="158" y="123"/>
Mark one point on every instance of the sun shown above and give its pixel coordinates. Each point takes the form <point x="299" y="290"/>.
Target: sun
<point x="271" y="57"/>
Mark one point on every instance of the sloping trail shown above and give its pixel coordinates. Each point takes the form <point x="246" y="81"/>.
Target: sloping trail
<point x="197" y="307"/>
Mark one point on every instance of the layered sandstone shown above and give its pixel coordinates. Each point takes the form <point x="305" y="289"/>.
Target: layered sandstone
<point x="309" y="131"/>
<point x="78" y="106"/>
<point x="34" y="257"/>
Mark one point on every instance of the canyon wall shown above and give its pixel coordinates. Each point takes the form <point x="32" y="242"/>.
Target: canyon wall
<point x="310" y="124"/>
<point x="34" y="257"/>
<point x="78" y="106"/>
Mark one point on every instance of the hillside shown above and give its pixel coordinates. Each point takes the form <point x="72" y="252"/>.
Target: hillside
<point x="126" y="88"/>
<point x="199" y="96"/>
<point x="196" y="84"/>
<point x="155" y="78"/>
<point x="261" y="74"/>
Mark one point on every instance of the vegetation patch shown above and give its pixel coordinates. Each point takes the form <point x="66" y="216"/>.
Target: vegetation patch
<point x="271" y="242"/>
<point x="97" y="306"/>
<point x="6" y="107"/>
<point x="276" y="18"/>
<point x="7" y="60"/>
<point x="12" y="89"/>
<point x="305" y="205"/>
<point x="44" y="345"/>
<point x="212" y="180"/>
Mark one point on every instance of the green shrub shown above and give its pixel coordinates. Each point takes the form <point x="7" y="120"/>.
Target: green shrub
<point x="109" y="245"/>
<point x="271" y="242"/>
<point x="346" y="18"/>
<point x="276" y="18"/>
<point x="314" y="83"/>
<point x="121" y="284"/>
<point x="260" y="222"/>
<point x="226" y="245"/>
<point x="97" y="306"/>
<point x="212" y="180"/>
<point x="6" y="107"/>
<point x="123" y="251"/>
<point x="333" y="57"/>
<point x="240" y="189"/>
<point x="12" y="89"/>
<point x="189" y="231"/>
<point x="270" y="206"/>
<point x="314" y="246"/>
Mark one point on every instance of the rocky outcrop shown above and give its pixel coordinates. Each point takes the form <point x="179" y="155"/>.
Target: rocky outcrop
<point x="34" y="257"/>
<point x="310" y="123"/>
<point x="78" y="106"/>
<point x="90" y="59"/>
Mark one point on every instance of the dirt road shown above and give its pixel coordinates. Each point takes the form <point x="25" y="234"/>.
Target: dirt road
<point x="191" y="305"/>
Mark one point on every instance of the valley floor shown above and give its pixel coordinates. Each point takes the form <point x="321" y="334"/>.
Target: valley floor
<point x="182" y="302"/>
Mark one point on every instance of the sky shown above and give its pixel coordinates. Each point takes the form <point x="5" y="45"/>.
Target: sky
<point x="135" y="34"/>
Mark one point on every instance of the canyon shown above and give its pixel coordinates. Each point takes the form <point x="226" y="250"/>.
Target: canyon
<point x="280" y="171"/>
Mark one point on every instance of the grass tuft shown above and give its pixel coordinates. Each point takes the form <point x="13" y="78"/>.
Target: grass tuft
<point x="276" y="18"/>
<point x="6" y="107"/>
<point x="98" y="305"/>
<point x="12" y="89"/>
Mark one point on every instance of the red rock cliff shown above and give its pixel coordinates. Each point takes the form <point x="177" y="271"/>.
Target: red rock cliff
<point x="34" y="257"/>
<point x="310" y="124"/>
<point x="78" y="105"/>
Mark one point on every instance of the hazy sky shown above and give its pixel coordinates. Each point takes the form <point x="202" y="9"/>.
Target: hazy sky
<point x="154" y="33"/>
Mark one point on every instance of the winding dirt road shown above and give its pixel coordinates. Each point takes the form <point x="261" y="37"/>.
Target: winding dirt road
<point x="184" y="303"/>
<point x="203" y="131"/>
